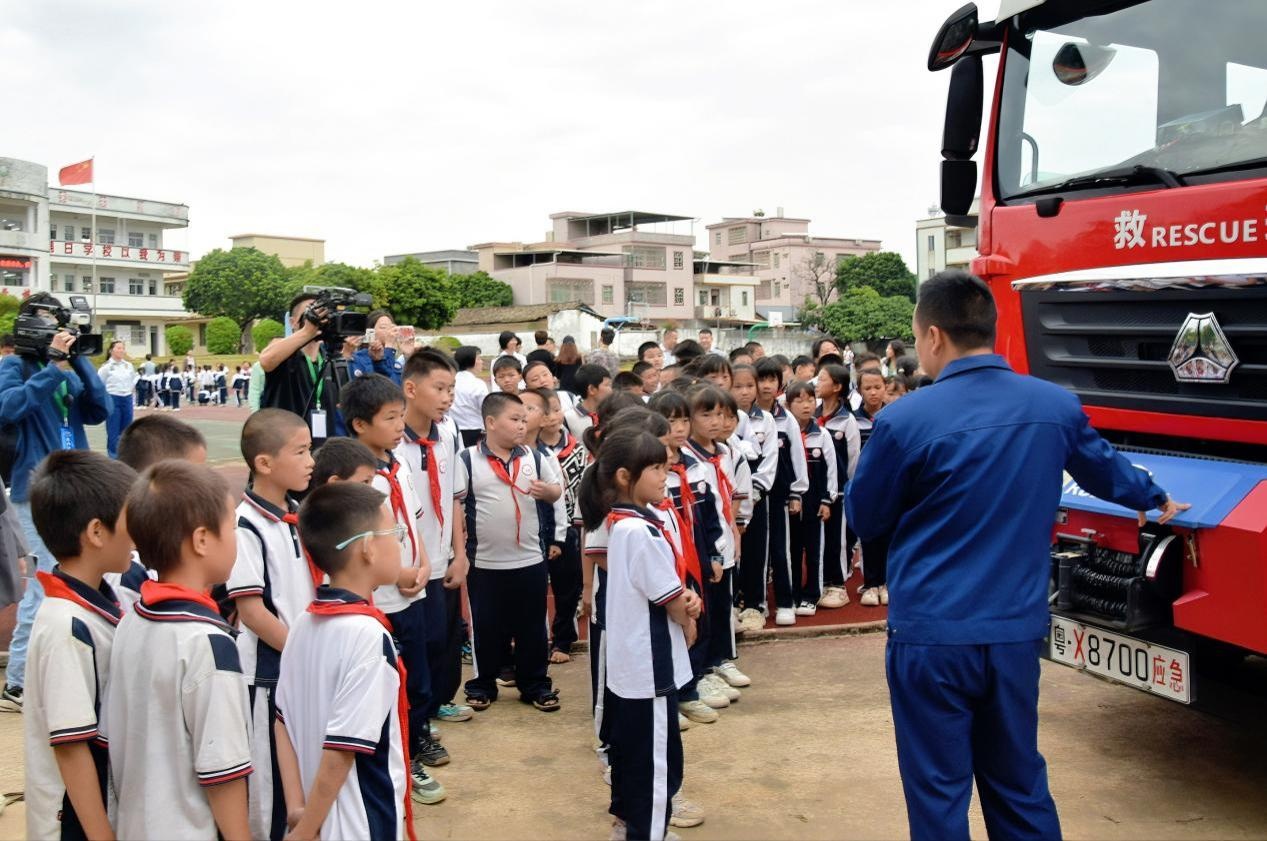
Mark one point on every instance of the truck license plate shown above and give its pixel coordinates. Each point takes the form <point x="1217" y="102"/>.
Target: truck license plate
<point x="1152" y="668"/>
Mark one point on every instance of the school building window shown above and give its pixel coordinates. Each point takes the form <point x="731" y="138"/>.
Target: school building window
<point x="136" y="286"/>
<point x="679" y="295"/>
<point x="737" y="235"/>
<point x="107" y="286"/>
<point x="678" y="260"/>
<point x="136" y="240"/>
<point x="609" y="296"/>
<point x="652" y="294"/>
<point x="105" y="236"/>
<point x="644" y="257"/>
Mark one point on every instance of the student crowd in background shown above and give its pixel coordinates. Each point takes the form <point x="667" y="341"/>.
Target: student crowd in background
<point x="279" y="661"/>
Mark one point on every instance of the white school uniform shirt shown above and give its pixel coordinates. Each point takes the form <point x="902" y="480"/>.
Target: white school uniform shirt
<point x="176" y="715"/>
<point x="67" y="671"/>
<point x="725" y="546"/>
<point x="388" y="598"/>
<point x="271" y="565"/>
<point x="127" y="585"/>
<point x="119" y="377"/>
<point x="578" y="419"/>
<point x="505" y="528"/>
<point x="339" y="690"/>
<point x="761" y="446"/>
<point x="434" y="529"/>
<point x="469" y="392"/>
<point x="741" y="475"/>
<point x="596" y="549"/>
<point x="645" y="650"/>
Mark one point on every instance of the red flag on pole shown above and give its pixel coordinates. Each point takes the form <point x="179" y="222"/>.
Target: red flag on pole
<point x="80" y="173"/>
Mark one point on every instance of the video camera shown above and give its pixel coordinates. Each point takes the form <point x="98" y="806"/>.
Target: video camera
<point x="331" y="311"/>
<point x="41" y="320"/>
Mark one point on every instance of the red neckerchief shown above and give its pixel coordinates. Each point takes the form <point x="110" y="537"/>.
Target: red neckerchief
<point x="339" y="607"/>
<point x="688" y="561"/>
<point x="399" y="508"/>
<point x="157" y="592"/>
<point x="567" y="445"/>
<point x="724" y="489"/>
<point x="433" y="470"/>
<point x="823" y="417"/>
<point x="679" y="562"/>
<point x="291" y="519"/>
<point x="684" y="490"/>
<point x="499" y="470"/>
<point x="57" y="585"/>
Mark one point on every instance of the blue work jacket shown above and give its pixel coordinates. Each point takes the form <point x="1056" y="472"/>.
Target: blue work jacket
<point x="966" y="476"/>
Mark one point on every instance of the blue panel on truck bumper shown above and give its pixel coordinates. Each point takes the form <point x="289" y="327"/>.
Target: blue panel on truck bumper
<point x="1213" y="487"/>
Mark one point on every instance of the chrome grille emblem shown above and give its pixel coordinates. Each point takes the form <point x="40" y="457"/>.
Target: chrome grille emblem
<point x="1201" y="353"/>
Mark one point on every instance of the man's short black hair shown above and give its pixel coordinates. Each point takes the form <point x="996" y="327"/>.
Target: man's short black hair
<point x="738" y="352"/>
<point x="607" y="335"/>
<point x="266" y="432"/>
<point x="705" y="331"/>
<point x="646" y="346"/>
<point x="497" y="402"/>
<point x="364" y="397"/>
<point x="422" y="362"/>
<point x="340" y="457"/>
<point x="865" y="358"/>
<point x="768" y="368"/>
<point x="465" y="357"/>
<point x="504" y="362"/>
<point x="69" y="490"/>
<point x="627" y="381"/>
<point x="331" y="514"/>
<point x="299" y="299"/>
<point x="587" y="377"/>
<point x="686" y="350"/>
<point x="641" y="368"/>
<point x="153" y="438"/>
<point x="961" y="306"/>
<point x="541" y="337"/>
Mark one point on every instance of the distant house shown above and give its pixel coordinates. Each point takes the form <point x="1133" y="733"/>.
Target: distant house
<point x="481" y="326"/>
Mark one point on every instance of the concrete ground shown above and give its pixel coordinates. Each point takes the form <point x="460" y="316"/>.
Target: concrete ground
<point x="808" y="753"/>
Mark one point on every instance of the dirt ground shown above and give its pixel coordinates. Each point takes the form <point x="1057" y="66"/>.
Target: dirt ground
<point x="808" y="753"/>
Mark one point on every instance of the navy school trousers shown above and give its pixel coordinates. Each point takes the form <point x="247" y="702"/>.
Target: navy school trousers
<point x="645" y="753"/>
<point x="965" y="712"/>
<point x="509" y="605"/>
<point x="754" y="563"/>
<point x="409" y="628"/>
<point x="566" y="582"/>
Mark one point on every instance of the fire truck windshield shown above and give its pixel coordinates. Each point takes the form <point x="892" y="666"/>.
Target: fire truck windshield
<point x="1144" y="95"/>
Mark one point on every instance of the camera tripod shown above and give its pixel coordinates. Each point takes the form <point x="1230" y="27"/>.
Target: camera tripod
<point x="331" y="353"/>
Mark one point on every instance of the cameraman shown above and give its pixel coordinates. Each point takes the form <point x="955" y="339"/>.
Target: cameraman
<point x="293" y="375"/>
<point x="47" y="395"/>
<point x="384" y="355"/>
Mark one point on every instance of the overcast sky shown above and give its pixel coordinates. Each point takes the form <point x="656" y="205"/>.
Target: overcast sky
<point x="385" y="128"/>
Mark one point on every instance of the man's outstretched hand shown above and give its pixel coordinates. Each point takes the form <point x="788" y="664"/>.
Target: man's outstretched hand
<point x="1168" y="512"/>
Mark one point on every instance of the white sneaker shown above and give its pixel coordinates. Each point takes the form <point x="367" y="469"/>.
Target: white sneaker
<point x="870" y="597"/>
<point x="697" y="711"/>
<point x="785" y="616"/>
<point x="833" y="598"/>
<point x="711" y="695"/>
<point x="806" y="609"/>
<point x="751" y="619"/>
<point x="718" y="684"/>
<point x="884" y="594"/>
<point x="730" y="673"/>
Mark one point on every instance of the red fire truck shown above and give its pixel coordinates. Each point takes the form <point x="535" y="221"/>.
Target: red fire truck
<point x="1123" y="229"/>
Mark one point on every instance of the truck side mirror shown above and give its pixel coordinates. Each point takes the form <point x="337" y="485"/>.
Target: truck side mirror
<point x="954" y="38"/>
<point x="1076" y="64"/>
<point x="960" y="136"/>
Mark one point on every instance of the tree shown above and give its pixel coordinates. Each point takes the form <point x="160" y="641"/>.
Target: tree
<point x="862" y="314"/>
<point x="223" y="335"/>
<point x="883" y="271"/>
<point x="242" y="284"/>
<point x="8" y="312"/>
<point x="480" y="290"/>
<point x="264" y="331"/>
<point x="328" y="274"/>
<point x="180" y="340"/>
<point x="817" y="273"/>
<point x="416" y="294"/>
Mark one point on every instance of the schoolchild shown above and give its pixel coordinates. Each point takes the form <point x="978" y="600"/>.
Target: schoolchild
<point x="343" y="460"/>
<point x="833" y="415"/>
<point x="592" y="384"/>
<point x="803" y="369"/>
<point x="77" y="500"/>
<point x="271" y="586"/>
<point x="537" y="374"/>
<point x="430" y="449"/>
<point x="342" y="716"/>
<point x="873" y="553"/>
<point x="148" y="440"/>
<point x="652" y="354"/>
<point x="374" y="409"/>
<point x="508" y="374"/>
<point x="709" y="407"/>
<point x="535" y="407"/>
<point x="714" y="368"/>
<point x="741" y="478"/>
<point x="177" y="708"/>
<point x="651" y="618"/>
<point x="565" y="570"/>
<point x="824" y="489"/>
<point x="501" y="481"/>
<point x="759" y="443"/>
<point x="693" y="490"/>
<point x="791" y="480"/>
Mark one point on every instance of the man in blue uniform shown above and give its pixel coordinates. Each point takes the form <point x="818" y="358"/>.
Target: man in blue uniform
<point x="965" y="476"/>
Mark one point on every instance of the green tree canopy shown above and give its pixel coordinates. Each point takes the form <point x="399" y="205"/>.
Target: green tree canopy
<point x="329" y="274"/>
<point x="8" y="312"/>
<point x="883" y="271"/>
<point x="242" y="284"/>
<point x="223" y="335"/>
<point x="481" y="290"/>
<point x="180" y="340"/>
<point x="416" y="294"/>
<point x="264" y="331"/>
<point x="863" y="315"/>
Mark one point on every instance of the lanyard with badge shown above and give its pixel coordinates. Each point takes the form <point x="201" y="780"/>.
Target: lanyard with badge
<point x="318" y="416"/>
<point x="61" y="398"/>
